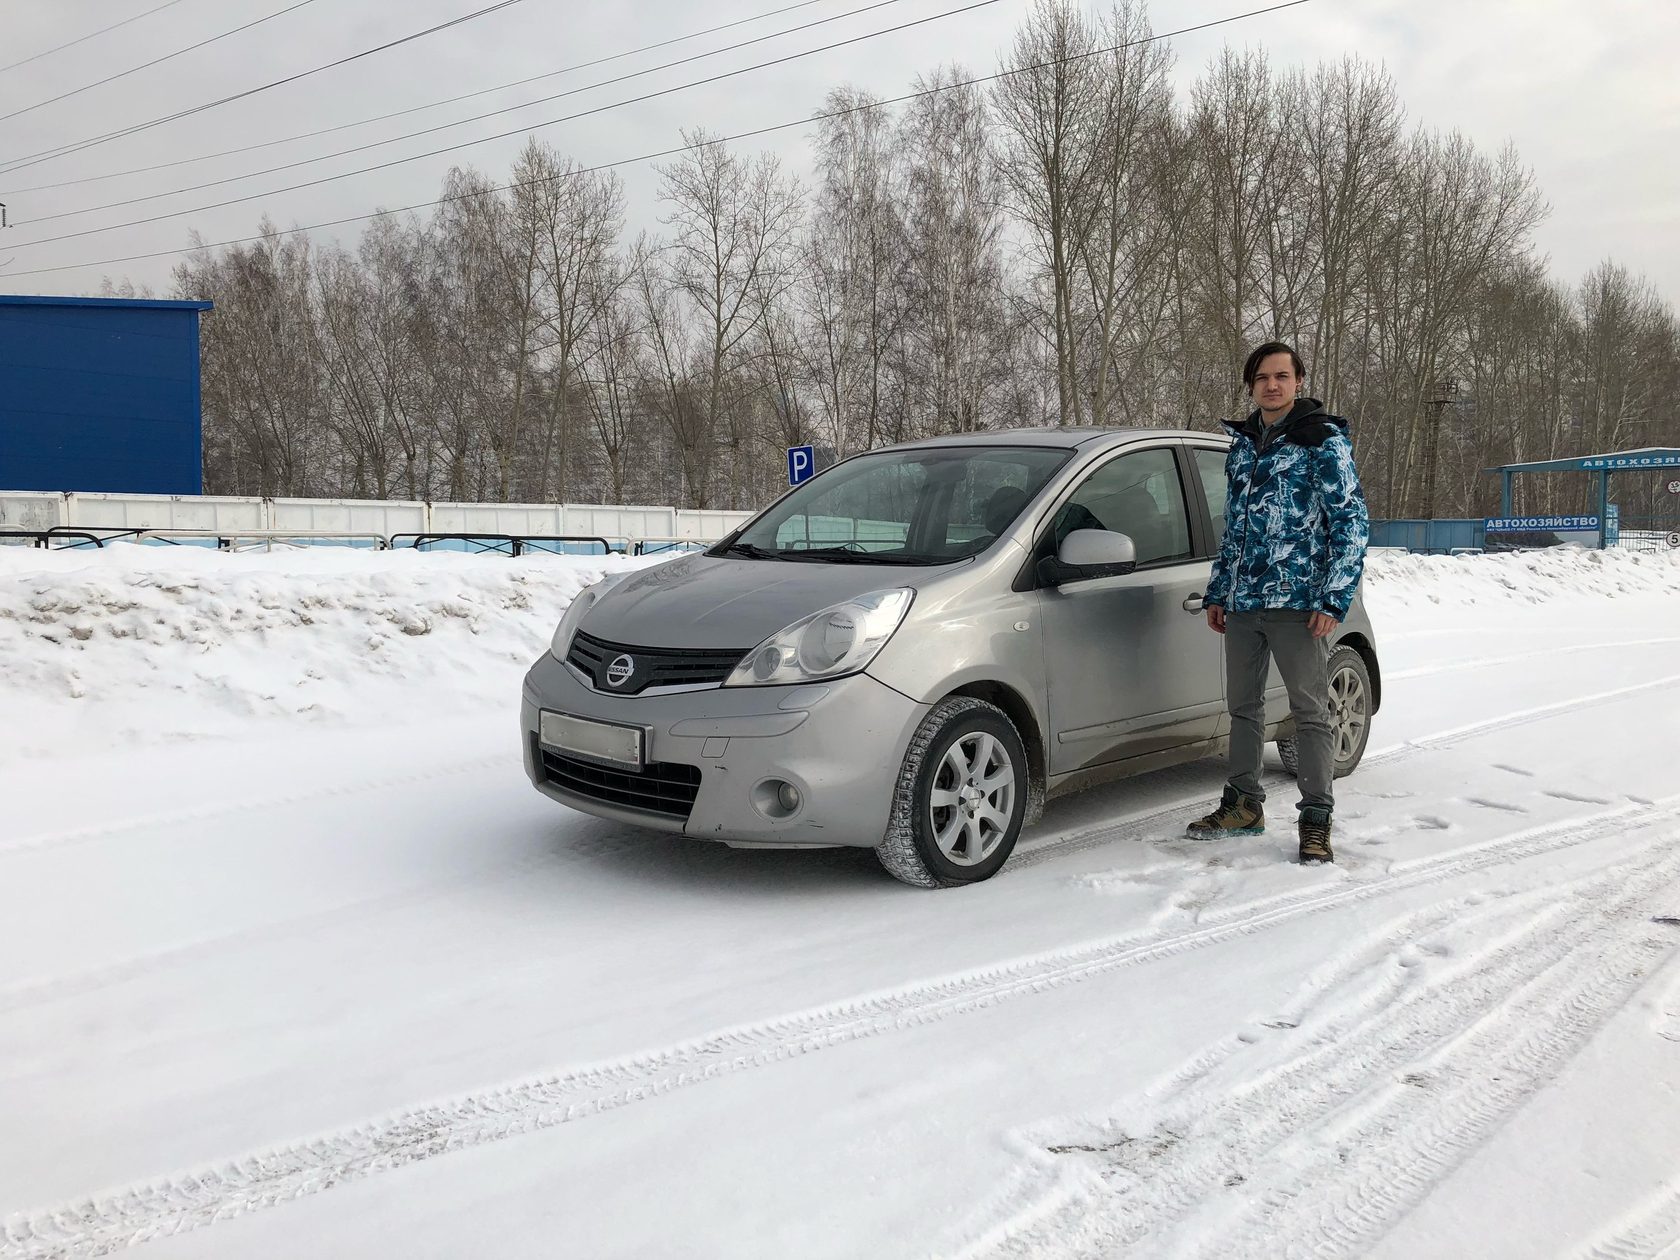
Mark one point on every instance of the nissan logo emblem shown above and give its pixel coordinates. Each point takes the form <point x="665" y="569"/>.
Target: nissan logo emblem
<point x="618" y="673"/>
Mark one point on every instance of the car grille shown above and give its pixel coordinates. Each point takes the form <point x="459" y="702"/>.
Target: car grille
<point x="658" y="788"/>
<point x="651" y="667"/>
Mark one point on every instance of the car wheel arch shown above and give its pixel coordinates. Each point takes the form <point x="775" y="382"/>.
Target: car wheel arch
<point x="1359" y="643"/>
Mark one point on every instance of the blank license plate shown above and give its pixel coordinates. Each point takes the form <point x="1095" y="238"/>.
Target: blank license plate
<point x="597" y="741"/>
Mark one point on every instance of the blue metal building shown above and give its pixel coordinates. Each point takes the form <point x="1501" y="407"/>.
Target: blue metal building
<point x="100" y="394"/>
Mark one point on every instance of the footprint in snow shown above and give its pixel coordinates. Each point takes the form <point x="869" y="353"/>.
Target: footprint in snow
<point x="1482" y="802"/>
<point x="1518" y="770"/>
<point x="1578" y="798"/>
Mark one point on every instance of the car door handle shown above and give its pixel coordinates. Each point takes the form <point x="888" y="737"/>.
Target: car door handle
<point x="1193" y="604"/>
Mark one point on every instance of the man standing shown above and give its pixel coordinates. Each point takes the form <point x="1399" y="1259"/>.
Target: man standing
<point x="1286" y="573"/>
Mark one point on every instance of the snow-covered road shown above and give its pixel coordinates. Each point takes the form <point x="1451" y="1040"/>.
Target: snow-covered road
<point x="294" y="962"/>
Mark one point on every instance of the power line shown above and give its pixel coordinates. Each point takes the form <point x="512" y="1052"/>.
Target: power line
<point x="156" y="61"/>
<point x="77" y="147"/>
<point x="468" y="144"/>
<point x="402" y="113"/>
<point x="680" y="149"/>
<point x="428" y="131"/>
<point x="104" y="30"/>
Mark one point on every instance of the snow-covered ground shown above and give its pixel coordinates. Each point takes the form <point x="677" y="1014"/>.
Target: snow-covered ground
<point x="293" y="961"/>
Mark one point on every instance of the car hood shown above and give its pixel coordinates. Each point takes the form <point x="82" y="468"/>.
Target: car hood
<point x="703" y="601"/>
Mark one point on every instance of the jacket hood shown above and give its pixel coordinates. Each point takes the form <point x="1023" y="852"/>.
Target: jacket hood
<point x="716" y="602"/>
<point x="1307" y="424"/>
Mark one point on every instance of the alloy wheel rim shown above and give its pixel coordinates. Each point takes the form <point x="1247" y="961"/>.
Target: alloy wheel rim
<point x="972" y="799"/>
<point x="1348" y="711"/>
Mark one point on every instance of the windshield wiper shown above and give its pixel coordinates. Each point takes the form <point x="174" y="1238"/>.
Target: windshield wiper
<point x="751" y="551"/>
<point x="845" y="555"/>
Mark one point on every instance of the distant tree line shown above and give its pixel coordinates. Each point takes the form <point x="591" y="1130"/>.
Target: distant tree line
<point x="1072" y="244"/>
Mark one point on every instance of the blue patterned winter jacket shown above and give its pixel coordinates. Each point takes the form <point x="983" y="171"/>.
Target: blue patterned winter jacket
<point x="1295" y="520"/>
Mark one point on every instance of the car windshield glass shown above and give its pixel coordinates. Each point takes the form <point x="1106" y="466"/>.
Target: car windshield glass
<point x="930" y="505"/>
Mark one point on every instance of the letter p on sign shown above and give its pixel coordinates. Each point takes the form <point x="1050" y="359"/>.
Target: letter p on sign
<point x="801" y="464"/>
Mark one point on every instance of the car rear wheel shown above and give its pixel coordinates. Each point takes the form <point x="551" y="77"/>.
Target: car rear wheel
<point x="961" y="797"/>
<point x="1350" y="714"/>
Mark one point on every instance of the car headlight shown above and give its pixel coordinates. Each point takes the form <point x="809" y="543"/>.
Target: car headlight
<point x="838" y="640"/>
<point x="575" y="612"/>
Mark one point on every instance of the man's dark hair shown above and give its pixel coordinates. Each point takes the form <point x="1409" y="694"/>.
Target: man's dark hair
<point x="1262" y="352"/>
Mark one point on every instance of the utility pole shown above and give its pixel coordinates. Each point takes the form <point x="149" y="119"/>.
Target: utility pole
<point x="1443" y="393"/>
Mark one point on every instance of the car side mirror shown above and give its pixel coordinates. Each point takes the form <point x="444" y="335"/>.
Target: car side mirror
<point x="1089" y="553"/>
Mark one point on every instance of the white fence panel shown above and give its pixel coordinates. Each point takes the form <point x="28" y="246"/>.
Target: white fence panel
<point x="613" y="523"/>
<point x="352" y="516"/>
<point x="235" y="515"/>
<point x="497" y="518"/>
<point x="707" y="524"/>
<point x="164" y="511"/>
<point x="28" y="509"/>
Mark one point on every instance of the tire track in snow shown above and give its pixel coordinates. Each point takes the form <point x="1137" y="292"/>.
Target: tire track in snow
<point x="1062" y="1206"/>
<point x="192" y="1199"/>
<point x="1651" y="1232"/>
<point x="1353" y="1188"/>
<point x="1136" y="826"/>
<point x="1353" y="1155"/>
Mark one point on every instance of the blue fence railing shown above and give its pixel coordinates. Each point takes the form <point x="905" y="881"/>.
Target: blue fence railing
<point x="1438" y="538"/>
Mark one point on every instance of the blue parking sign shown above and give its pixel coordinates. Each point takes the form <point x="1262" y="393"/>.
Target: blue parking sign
<point x="802" y="463"/>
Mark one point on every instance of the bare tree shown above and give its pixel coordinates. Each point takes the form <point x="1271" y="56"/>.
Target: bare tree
<point x="850" y="295"/>
<point x="577" y="215"/>
<point x="1123" y="254"/>
<point x="955" y="326"/>
<point x="734" y="223"/>
<point x="1243" y="168"/>
<point x="1049" y="104"/>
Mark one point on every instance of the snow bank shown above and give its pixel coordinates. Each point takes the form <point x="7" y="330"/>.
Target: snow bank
<point x="139" y="642"/>
<point x="144" y="642"/>
<point x="1529" y="577"/>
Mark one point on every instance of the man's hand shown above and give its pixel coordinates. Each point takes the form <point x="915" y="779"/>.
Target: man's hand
<point x="1216" y="617"/>
<point x="1321" y="624"/>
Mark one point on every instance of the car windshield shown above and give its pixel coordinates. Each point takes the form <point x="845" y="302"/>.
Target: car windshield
<point x="928" y="505"/>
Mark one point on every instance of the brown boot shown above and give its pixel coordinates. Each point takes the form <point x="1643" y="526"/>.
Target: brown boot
<point x="1237" y="815"/>
<point x="1315" y="836"/>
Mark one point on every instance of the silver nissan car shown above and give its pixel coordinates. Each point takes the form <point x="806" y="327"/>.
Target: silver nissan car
<point x="912" y="650"/>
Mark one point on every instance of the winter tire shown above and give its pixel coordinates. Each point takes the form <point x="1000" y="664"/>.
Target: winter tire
<point x="961" y="797"/>
<point x="1350" y="714"/>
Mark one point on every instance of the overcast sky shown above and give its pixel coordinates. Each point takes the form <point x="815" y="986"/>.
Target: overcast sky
<point x="1587" y="91"/>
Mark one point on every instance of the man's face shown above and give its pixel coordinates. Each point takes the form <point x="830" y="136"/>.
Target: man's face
<point x="1275" y="383"/>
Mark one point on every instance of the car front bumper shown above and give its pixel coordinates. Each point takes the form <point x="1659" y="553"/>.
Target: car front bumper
<point x="840" y="743"/>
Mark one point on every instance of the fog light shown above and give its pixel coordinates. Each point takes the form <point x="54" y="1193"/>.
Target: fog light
<point x="777" y="799"/>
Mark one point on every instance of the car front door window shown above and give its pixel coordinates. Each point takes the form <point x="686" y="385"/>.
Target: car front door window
<point x="1138" y="495"/>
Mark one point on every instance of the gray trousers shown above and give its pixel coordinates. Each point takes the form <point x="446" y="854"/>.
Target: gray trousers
<point x="1252" y="641"/>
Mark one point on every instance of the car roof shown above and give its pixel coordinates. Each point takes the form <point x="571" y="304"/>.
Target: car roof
<point x="1068" y="437"/>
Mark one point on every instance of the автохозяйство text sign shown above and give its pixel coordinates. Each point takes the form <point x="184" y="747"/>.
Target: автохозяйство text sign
<point x="1632" y="461"/>
<point x="1528" y="524"/>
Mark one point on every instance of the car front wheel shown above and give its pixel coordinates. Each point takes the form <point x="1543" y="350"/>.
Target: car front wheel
<point x="961" y="797"/>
